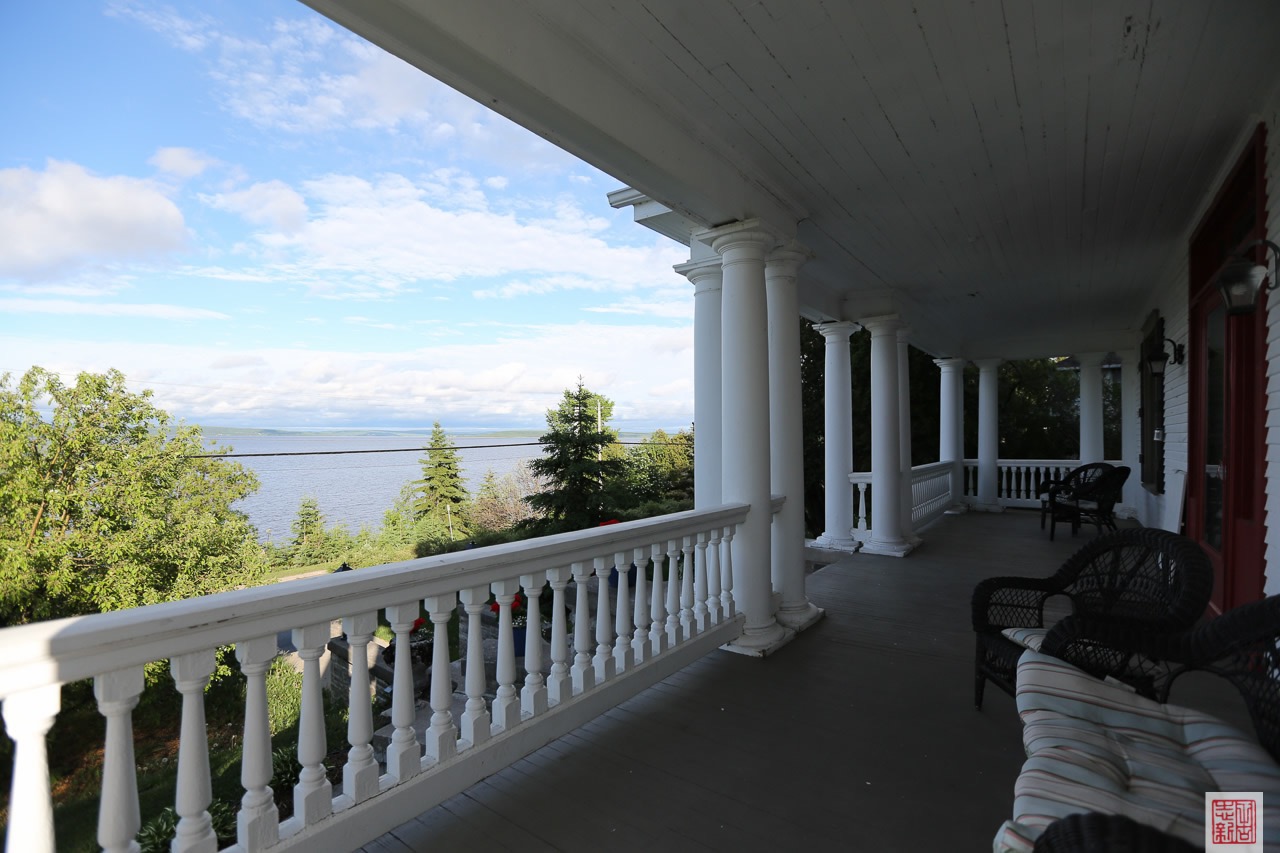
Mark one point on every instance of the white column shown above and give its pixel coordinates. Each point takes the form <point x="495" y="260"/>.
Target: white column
<point x="1130" y="440"/>
<point x="988" y="433"/>
<point x="951" y="421"/>
<point x="904" y="434"/>
<point x="786" y="431"/>
<point x="838" y="444"/>
<point x="886" y="457"/>
<point x="1090" y="406"/>
<point x="745" y="372"/>
<point x="707" y="416"/>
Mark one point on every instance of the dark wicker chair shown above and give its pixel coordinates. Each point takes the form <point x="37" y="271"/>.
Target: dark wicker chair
<point x="1141" y="576"/>
<point x="1091" y="832"/>
<point x="1094" y="501"/>
<point x="1242" y="646"/>
<point x="1054" y="490"/>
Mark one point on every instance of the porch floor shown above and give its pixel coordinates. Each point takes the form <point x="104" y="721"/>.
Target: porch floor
<point x="859" y="735"/>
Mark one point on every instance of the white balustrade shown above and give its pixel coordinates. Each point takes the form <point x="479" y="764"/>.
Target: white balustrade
<point x="640" y="637"/>
<point x="559" y="683"/>
<point x="118" y="817"/>
<point x="1019" y="480"/>
<point x="861" y="481"/>
<point x="258" y="821"/>
<point x="679" y="607"/>
<point x="442" y="735"/>
<point x="194" y="793"/>
<point x="623" y="655"/>
<point x="313" y="795"/>
<point x="360" y="773"/>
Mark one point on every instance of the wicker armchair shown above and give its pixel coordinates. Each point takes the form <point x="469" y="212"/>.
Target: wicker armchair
<point x="1051" y="492"/>
<point x="1095" y="502"/>
<point x="1091" y="832"/>
<point x="1140" y="576"/>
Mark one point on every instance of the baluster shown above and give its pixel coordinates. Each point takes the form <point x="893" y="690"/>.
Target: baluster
<point x="726" y="569"/>
<point x="27" y="718"/>
<point x="863" y="509"/>
<point x="640" y="637"/>
<point x="687" y="625"/>
<point x="533" y="696"/>
<point x="584" y="677"/>
<point x="701" y="616"/>
<point x="404" y="755"/>
<point x="506" y="704"/>
<point x="118" y="817"/>
<point x="313" y="795"/>
<point x="442" y="735"/>
<point x="675" y="633"/>
<point x="559" y="684"/>
<point x="475" y="716"/>
<point x="604" y="663"/>
<point x="624" y="658"/>
<point x="713" y="577"/>
<point x="360" y="773"/>
<point x="657" y="602"/>
<point x="195" y="829"/>
<point x="258" y="821"/>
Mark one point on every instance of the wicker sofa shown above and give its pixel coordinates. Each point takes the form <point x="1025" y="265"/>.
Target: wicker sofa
<point x="1093" y="745"/>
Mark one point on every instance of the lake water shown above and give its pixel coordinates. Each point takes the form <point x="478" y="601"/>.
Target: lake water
<point x="353" y="489"/>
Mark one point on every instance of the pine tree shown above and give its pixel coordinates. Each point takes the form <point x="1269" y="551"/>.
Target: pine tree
<point x="441" y="490"/>
<point x="309" y="545"/>
<point x="574" y="465"/>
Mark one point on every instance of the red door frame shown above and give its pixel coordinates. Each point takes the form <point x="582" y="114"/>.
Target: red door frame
<point x="1237" y="215"/>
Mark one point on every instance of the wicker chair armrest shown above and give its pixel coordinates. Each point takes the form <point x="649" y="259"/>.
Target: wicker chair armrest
<point x="1047" y="485"/>
<point x="1155" y="640"/>
<point x="1010" y="602"/>
<point x="1093" y="832"/>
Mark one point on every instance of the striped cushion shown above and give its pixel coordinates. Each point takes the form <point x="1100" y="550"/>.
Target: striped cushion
<point x="1097" y="746"/>
<point x="1028" y="638"/>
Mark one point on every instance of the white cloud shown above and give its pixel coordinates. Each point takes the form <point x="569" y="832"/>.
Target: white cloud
<point x="62" y="218"/>
<point x="370" y="238"/>
<point x="272" y="203"/>
<point x="108" y="309"/>
<point x="181" y="162"/>
<point x="496" y="182"/>
<point x="511" y="377"/>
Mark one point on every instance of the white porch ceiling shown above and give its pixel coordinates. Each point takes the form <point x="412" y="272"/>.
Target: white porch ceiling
<point x="1013" y="177"/>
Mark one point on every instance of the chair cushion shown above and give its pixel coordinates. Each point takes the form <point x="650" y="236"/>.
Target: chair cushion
<point x="1028" y="638"/>
<point x="1096" y="745"/>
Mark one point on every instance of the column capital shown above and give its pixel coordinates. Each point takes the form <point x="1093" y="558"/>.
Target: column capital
<point x="904" y="334"/>
<point x="704" y="274"/>
<point x="836" y="329"/>
<point x="1091" y="359"/>
<point x="948" y="365"/>
<point x="988" y="364"/>
<point x="751" y="234"/>
<point x="785" y="260"/>
<point x="885" y="324"/>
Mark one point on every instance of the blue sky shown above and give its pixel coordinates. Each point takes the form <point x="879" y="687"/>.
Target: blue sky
<point x="270" y="222"/>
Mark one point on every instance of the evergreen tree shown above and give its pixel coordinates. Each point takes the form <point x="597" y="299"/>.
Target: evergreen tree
<point x="441" y="491"/>
<point x="308" y="545"/>
<point x="574" y="464"/>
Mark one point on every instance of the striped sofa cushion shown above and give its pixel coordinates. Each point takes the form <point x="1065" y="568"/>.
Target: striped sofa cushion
<point x="1097" y="746"/>
<point x="1028" y="638"/>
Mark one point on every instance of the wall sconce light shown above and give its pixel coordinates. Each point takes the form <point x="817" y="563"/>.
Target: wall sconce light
<point x="1242" y="279"/>
<point x="1156" y="362"/>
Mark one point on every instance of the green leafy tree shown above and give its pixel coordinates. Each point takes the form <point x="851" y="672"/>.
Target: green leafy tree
<point x="441" y="491"/>
<point x="105" y="504"/>
<point x="574" y="463"/>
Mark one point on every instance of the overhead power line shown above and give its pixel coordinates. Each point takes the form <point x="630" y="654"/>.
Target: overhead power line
<point x="399" y="450"/>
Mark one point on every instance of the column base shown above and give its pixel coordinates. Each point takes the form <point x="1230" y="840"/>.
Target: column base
<point x="956" y="509"/>
<point x="761" y="644"/>
<point x="900" y="548"/>
<point x="802" y="617"/>
<point x="829" y="542"/>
